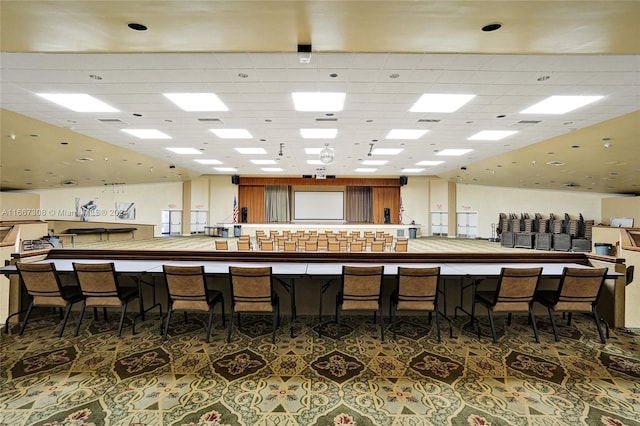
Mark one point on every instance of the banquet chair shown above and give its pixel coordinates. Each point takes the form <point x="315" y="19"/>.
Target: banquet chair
<point x="417" y="290"/>
<point x="377" y="246"/>
<point x="45" y="290"/>
<point x="244" y="245"/>
<point x="222" y="245"/>
<point x="187" y="291"/>
<point x="100" y="289"/>
<point x="514" y="293"/>
<point x="401" y="245"/>
<point x="579" y="291"/>
<point x="360" y="290"/>
<point x="252" y="292"/>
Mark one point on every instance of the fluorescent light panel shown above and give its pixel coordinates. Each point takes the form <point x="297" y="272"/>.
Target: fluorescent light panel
<point x="436" y="102"/>
<point x="226" y="169"/>
<point x="78" y="102"/>
<point x="208" y="162"/>
<point x="560" y="104"/>
<point x="232" y="133"/>
<point x="318" y="133"/>
<point x="412" y="170"/>
<point x="492" y="135"/>
<point x="318" y="101"/>
<point x="407" y="134"/>
<point x="272" y="169"/>
<point x="454" y="152"/>
<point x="147" y="133"/>
<point x="251" y="150"/>
<point x="429" y="163"/>
<point x="264" y="162"/>
<point x="386" y="151"/>
<point x="185" y="151"/>
<point x="374" y="162"/>
<point x="312" y="151"/>
<point x="315" y="162"/>
<point x="197" y="101"/>
<point x="365" y="170"/>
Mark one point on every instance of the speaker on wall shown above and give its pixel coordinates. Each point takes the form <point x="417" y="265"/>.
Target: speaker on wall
<point x="307" y="176"/>
<point x="387" y="215"/>
<point x="244" y="214"/>
<point x="403" y="180"/>
<point x="235" y="179"/>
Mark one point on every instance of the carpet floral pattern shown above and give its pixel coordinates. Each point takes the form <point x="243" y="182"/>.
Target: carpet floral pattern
<point x="100" y="379"/>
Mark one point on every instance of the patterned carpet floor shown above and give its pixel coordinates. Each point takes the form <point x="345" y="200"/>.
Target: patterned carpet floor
<point x="100" y="379"/>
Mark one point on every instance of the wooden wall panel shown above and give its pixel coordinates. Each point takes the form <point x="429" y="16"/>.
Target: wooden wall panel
<point x="251" y="197"/>
<point x="387" y="182"/>
<point x="386" y="197"/>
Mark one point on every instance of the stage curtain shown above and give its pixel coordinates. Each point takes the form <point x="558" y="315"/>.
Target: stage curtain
<point x="276" y="203"/>
<point x="359" y="204"/>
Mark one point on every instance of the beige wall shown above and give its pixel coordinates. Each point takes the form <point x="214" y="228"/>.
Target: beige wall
<point x="621" y="207"/>
<point x="150" y="200"/>
<point x="490" y="201"/>
<point x="415" y="199"/>
<point x="221" y="192"/>
<point x="19" y="206"/>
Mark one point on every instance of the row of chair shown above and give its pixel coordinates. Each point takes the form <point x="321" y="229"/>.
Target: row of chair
<point x="252" y="291"/>
<point x="99" y="287"/>
<point x="314" y="244"/>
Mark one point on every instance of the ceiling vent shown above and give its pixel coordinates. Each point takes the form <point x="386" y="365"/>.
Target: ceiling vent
<point x="555" y="163"/>
<point x="210" y="120"/>
<point x="84" y="159"/>
<point x="570" y="185"/>
<point x="428" y="120"/>
<point x="529" y="122"/>
<point x="326" y="119"/>
<point x="69" y="183"/>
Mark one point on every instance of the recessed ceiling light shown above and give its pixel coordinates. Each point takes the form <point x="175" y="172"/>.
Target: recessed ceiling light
<point x="406" y="134"/>
<point x="272" y="169"/>
<point x="226" y="169"/>
<point x="263" y="161"/>
<point x="412" y="170"/>
<point x="560" y="104"/>
<point x="232" y="133"/>
<point x="208" y="162"/>
<point x="491" y="135"/>
<point x="318" y="101"/>
<point x="454" y="152"/>
<point x="312" y="151"/>
<point x="365" y="170"/>
<point x="184" y="151"/>
<point x="429" y="163"/>
<point x="318" y="133"/>
<point x="251" y="150"/>
<point x="315" y="162"/>
<point x="147" y="133"/>
<point x="433" y="102"/>
<point x="78" y="102"/>
<point x="197" y="101"/>
<point x="386" y="151"/>
<point x="374" y="162"/>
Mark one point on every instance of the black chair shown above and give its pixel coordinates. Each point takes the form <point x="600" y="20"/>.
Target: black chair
<point x="579" y="291"/>
<point x="100" y="289"/>
<point x="514" y="293"/>
<point x="188" y="292"/>
<point x="252" y="292"/>
<point x="45" y="290"/>
<point x="360" y="291"/>
<point x="417" y="290"/>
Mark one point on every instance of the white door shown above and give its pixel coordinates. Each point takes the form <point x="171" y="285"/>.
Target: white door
<point x="467" y="224"/>
<point x="198" y="221"/>
<point x="439" y="223"/>
<point x="171" y="222"/>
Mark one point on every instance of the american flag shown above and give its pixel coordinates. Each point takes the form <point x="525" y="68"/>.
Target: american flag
<point x="401" y="213"/>
<point x="235" y="210"/>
